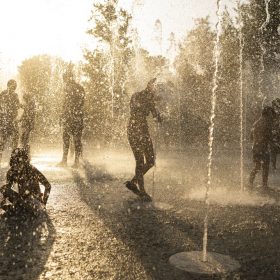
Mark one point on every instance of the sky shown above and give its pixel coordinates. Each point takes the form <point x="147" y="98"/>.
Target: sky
<point x="58" y="27"/>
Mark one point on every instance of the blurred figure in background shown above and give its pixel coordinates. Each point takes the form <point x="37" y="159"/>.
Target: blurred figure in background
<point x="261" y="135"/>
<point x="275" y="145"/>
<point x="9" y="106"/>
<point x="72" y="117"/>
<point x="27" y="120"/>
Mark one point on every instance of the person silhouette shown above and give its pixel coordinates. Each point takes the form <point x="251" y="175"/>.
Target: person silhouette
<point x="9" y="106"/>
<point x="72" y="117"/>
<point x="28" y="179"/>
<point x="141" y="105"/>
<point x="261" y="135"/>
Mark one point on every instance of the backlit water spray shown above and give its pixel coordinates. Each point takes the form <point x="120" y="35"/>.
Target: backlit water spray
<point x="158" y="39"/>
<point x="204" y="262"/>
<point x="263" y="49"/>
<point x="211" y="128"/>
<point x="241" y="45"/>
<point x="113" y="30"/>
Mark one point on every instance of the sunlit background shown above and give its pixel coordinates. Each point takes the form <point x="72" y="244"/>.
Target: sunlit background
<point x="58" y="27"/>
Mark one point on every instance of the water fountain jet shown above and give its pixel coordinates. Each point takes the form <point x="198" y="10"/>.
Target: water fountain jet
<point x="204" y="262"/>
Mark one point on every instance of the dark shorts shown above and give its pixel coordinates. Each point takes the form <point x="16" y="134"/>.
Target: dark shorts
<point x="261" y="156"/>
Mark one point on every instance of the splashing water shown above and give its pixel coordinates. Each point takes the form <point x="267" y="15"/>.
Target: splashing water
<point x="211" y="128"/>
<point x="158" y="35"/>
<point x="263" y="48"/>
<point x="241" y="43"/>
<point x="158" y="39"/>
<point x="112" y="66"/>
<point x="112" y="81"/>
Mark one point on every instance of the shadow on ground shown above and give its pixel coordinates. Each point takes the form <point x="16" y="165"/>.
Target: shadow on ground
<point x="151" y="235"/>
<point x="25" y="243"/>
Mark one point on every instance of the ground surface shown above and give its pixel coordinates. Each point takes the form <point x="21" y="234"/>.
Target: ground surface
<point x="97" y="229"/>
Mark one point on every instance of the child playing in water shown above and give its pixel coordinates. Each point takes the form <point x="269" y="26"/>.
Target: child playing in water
<point x="28" y="178"/>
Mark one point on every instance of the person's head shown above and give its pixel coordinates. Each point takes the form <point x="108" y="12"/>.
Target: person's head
<point x="19" y="159"/>
<point x="268" y="112"/>
<point x="11" y="85"/>
<point x="151" y="86"/>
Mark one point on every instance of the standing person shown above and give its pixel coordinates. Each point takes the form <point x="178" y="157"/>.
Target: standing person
<point x="275" y="145"/>
<point x="9" y="106"/>
<point x="28" y="178"/>
<point x="72" y="117"/>
<point x="27" y="120"/>
<point x="261" y="134"/>
<point x="141" y="105"/>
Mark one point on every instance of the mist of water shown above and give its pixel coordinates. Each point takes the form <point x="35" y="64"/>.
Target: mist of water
<point x="241" y="43"/>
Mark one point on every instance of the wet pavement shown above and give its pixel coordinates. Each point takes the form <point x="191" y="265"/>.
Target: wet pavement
<point x="94" y="228"/>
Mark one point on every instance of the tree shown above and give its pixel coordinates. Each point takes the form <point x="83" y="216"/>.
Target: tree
<point x="98" y="101"/>
<point x="111" y="29"/>
<point x="261" y="54"/>
<point x="42" y="77"/>
<point x="195" y="68"/>
<point x="228" y="93"/>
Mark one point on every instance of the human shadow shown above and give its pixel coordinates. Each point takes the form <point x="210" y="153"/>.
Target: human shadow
<point x="151" y="235"/>
<point x="25" y="242"/>
<point x="95" y="173"/>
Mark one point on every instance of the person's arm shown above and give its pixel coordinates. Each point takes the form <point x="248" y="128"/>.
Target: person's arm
<point x="9" y="182"/>
<point x="43" y="180"/>
<point x="155" y="113"/>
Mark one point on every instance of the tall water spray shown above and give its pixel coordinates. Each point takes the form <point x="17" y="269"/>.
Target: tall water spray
<point x="211" y="128"/>
<point x="138" y="67"/>
<point x="113" y="30"/>
<point x="171" y="51"/>
<point x="263" y="49"/>
<point x="112" y="67"/>
<point x="241" y="46"/>
<point x="158" y="35"/>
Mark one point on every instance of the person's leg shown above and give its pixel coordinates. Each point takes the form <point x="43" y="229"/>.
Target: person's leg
<point x="77" y="138"/>
<point x="72" y="147"/>
<point x="256" y="169"/>
<point x="138" y="178"/>
<point x="265" y="171"/>
<point x="66" y="143"/>
<point x="273" y="156"/>
<point x="14" y="136"/>
<point x="149" y="155"/>
<point x="145" y="160"/>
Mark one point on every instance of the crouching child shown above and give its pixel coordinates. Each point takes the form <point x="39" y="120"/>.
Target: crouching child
<point x="28" y="179"/>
